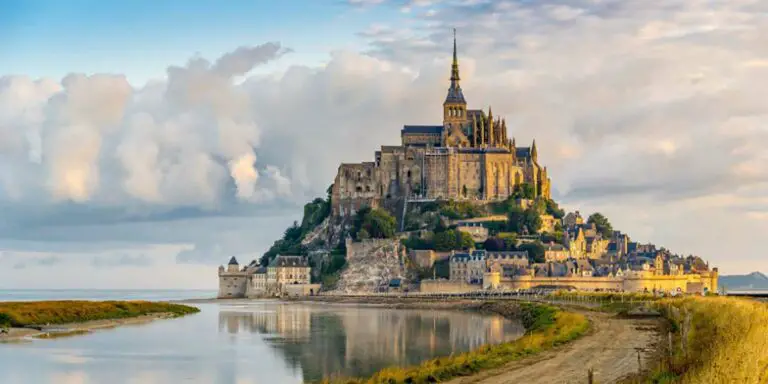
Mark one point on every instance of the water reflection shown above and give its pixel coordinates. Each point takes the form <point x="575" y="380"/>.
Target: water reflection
<point x="259" y="342"/>
<point x="323" y="340"/>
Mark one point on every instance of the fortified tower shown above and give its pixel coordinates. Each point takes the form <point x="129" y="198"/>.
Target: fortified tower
<point x="232" y="281"/>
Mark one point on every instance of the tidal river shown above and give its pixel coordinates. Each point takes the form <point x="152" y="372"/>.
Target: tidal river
<point x="261" y="342"/>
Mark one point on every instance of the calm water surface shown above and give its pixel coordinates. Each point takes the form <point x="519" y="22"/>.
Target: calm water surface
<point x="262" y="342"/>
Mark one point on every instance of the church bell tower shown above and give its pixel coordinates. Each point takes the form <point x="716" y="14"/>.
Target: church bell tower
<point x="455" y="107"/>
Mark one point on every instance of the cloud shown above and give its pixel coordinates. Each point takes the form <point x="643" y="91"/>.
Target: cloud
<point x="20" y="261"/>
<point x="121" y="261"/>
<point x="652" y="114"/>
<point x="96" y="140"/>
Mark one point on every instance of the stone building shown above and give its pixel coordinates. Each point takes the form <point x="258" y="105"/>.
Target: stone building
<point x="467" y="267"/>
<point x="572" y="219"/>
<point x="584" y="241"/>
<point x="286" y="274"/>
<point x="478" y="232"/>
<point x="468" y="157"/>
<point x="232" y="280"/>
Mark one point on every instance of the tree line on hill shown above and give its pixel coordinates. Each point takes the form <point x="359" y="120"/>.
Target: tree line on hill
<point x="428" y="225"/>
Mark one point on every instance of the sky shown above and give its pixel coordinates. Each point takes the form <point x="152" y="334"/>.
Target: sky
<point x="144" y="143"/>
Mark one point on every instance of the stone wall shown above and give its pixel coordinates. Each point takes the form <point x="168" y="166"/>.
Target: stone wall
<point x="232" y="284"/>
<point x="356" y="185"/>
<point x="447" y="286"/>
<point x="296" y="290"/>
<point x="424" y="258"/>
<point x="666" y="283"/>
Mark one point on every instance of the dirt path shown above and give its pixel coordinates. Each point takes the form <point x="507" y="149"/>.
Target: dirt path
<point x="609" y="349"/>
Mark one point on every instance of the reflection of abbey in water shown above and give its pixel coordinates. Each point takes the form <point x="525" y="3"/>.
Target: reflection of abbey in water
<point x="358" y="341"/>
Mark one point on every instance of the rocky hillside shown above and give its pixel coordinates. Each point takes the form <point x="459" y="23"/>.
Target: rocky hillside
<point x="329" y="234"/>
<point x="372" y="264"/>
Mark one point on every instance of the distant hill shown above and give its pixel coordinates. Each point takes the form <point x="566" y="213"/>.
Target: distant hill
<point x="754" y="280"/>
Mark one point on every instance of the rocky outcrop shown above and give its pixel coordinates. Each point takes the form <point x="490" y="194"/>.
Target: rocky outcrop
<point x="326" y="236"/>
<point x="371" y="265"/>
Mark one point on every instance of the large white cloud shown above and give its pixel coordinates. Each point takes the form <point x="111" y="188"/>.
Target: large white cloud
<point x="95" y="139"/>
<point x="651" y="113"/>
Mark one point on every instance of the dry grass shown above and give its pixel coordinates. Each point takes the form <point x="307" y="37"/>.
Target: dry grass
<point x="21" y="314"/>
<point x="716" y="340"/>
<point x="547" y="326"/>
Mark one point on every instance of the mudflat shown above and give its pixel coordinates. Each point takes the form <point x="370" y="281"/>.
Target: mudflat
<point x="24" y="334"/>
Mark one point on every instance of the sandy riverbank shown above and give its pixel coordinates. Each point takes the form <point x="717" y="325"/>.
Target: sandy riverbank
<point x="70" y="329"/>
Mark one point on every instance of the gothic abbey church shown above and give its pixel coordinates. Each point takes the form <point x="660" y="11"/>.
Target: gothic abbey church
<point x="468" y="157"/>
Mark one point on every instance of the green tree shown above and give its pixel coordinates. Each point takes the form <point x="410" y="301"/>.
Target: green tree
<point x="509" y="239"/>
<point x="535" y="251"/>
<point x="514" y="218"/>
<point x="465" y="240"/>
<point x="602" y="224"/>
<point x="452" y="239"/>
<point x="378" y="223"/>
<point x="554" y="209"/>
<point x="531" y="220"/>
<point x="494" y="244"/>
<point x="524" y="191"/>
<point x="415" y="242"/>
<point x="517" y="219"/>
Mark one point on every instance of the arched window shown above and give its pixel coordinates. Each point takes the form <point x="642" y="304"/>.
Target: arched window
<point x="408" y="174"/>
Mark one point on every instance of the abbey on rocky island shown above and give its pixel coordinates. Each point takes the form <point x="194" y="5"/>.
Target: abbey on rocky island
<point x="469" y="157"/>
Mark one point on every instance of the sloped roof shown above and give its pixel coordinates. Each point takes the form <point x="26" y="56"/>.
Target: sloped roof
<point x="422" y="129"/>
<point x="455" y="95"/>
<point x="289" y="261"/>
<point x="233" y="261"/>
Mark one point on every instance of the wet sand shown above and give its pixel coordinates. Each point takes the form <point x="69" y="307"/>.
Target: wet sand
<point x="71" y="329"/>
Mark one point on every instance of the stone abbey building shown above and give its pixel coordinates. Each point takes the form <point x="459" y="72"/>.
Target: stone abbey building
<point x="468" y="157"/>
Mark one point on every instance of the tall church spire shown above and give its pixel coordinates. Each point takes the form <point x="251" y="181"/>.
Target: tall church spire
<point x="455" y="95"/>
<point x="455" y="66"/>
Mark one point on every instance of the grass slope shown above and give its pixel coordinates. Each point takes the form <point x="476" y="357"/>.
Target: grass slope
<point x="546" y="327"/>
<point x="21" y="314"/>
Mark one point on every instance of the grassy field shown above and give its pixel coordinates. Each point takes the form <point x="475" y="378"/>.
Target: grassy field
<point x="21" y="314"/>
<point x="714" y="340"/>
<point x="546" y="327"/>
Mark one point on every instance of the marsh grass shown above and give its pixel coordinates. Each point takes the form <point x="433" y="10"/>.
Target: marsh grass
<point x="715" y="340"/>
<point x="23" y="314"/>
<point x="546" y="327"/>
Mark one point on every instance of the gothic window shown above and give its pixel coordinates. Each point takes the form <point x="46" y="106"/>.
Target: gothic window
<point x="408" y="175"/>
<point x="367" y="188"/>
<point x="359" y="189"/>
